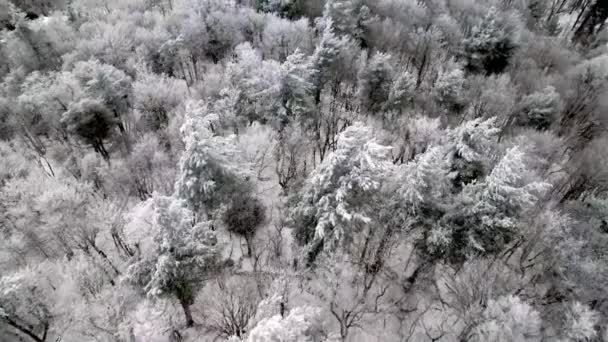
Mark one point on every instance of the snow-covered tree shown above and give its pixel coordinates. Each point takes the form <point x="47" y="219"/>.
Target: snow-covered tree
<point x="43" y="100"/>
<point x="508" y="318"/>
<point x="375" y="80"/>
<point x="493" y="96"/>
<point x="285" y="8"/>
<point x="349" y="18"/>
<point x="150" y="168"/>
<point x="282" y="37"/>
<point x="427" y="51"/>
<point x="258" y="84"/>
<point x="352" y="289"/>
<point x="580" y="323"/>
<point x="337" y="198"/>
<point x="296" y="88"/>
<point x="39" y="44"/>
<point x="106" y="83"/>
<point x="471" y="145"/>
<point x="60" y="217"/>
<point x="449" y="88"/>
<point x="509" y="182"/>
<point x="437" y="166"/>
<point x="489" y="46"/>
<point x="209" y="174"/>
<point x="290" y="156"/>
<point x="40" y="8"/>
<point x="180" y="256"/>
<point x="155" y="97"/>
<point x="232" y="305"/>
<point x="466" y="202"/>
<point x="414" y="136"/>
<point x="273" y="92"/>
<point x="92" y="121"/>
<point x="7" y="13"/>
<point x="325" y="57"/>
<point x="26" y="304"/>
<point x="301" y="324"/>
<point x="487" y="213"/>
<point x="92" y="307"/>
<point x="401" y="92"/>
<point x="583" y="100"/>
<point x="424" y="180"/>
<point x="541" y="107"/>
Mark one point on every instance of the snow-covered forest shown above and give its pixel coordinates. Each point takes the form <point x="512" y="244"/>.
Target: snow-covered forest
<point x="303" y="170"/>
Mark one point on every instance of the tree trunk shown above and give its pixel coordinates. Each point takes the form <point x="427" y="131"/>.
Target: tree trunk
<point x="343" y="332"/>
<point x="194" y="66"/>
<point x="422" y="67"/>
<point x="27" y="331"/>
<point x="187" y="313"/>
<point x="86" y="251"/>
<point x="99" y="147"/>
<point x="105" y="257"/>
<point x="248" y="239"/>
<point x="591" y="20"/>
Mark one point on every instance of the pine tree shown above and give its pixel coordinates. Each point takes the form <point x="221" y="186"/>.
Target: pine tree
<point x="209" y="174"/>
<point x="296" y="88"/>
<point x="486" y="213"/>
<point x="273" y="92"/>
<point x="349" y="18"/>
<point x="470" y="144"/>
<point x="374" y="83"/>
<point x="337" y="197"/>
<point x="401" y="92"/>
<point x="183" y="255"/>
<point x="490" y="44"/>
<point x="325" y="57"/>
<point x="258" y="83"/>
<point x="92" y="121"/>
<point x="290" y="9"/>
<point x="449" y="88"/>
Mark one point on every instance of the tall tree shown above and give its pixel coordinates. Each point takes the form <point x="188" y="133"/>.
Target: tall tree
<point x="490" y="45"/>
<point x="181" y="256"/>
<point x="335" y="203"/>
<point x="209" y="174"/>
<point x="92" y="121"/>
<point x="591" y="20"/>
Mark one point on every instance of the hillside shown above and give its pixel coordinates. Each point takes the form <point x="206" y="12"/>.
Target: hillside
<point x="303" y="170"/>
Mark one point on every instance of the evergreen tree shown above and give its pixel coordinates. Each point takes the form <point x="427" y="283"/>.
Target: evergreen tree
<point x="337" y="199"/>
<point x="92" y="121"/>
<point x="208" y="175"/>
<point x="374" y="83"/>
<point x="183" y="255"/>
<point x="325" y="58"/>
<point x="349" y="18"/>
<point x="490" y="45"/>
